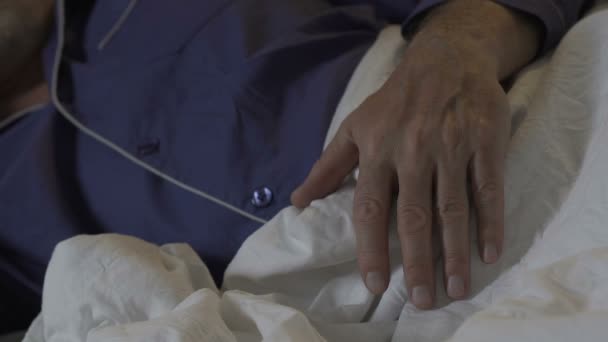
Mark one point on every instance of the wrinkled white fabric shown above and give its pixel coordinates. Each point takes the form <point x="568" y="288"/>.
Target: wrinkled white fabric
<point x="296" y="278"/>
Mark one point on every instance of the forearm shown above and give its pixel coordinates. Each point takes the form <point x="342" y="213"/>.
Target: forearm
<point x="508" y="38"/>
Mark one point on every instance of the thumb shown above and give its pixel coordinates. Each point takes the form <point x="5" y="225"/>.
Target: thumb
<point x="337" y="161"/>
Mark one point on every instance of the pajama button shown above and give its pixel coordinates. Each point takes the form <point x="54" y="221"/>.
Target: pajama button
<point x="261" y="197"/>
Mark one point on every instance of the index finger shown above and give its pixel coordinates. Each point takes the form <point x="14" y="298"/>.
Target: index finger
<point x="336" y="162"/>
<point x="371" y="209"/>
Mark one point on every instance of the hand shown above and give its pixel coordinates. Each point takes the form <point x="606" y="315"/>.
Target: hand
<point x="441" y="119"/>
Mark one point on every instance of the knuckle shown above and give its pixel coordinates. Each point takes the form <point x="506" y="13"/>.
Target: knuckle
<point x="374" y="146"/>
<point x="453" y="138"/>
<point x="488" y="192"/>
<point x="414" y="218"/>
<point x="415" y="269"/>
<point x="418" y="136"/>
<point x="486" y="234"/>
<point x="490" y="226"/>
<point x="371" y="257"/>
<point x="418" y="252"/>
<point x="452" y="211"/>
<point x="368" y="209"/>
<point x="342" y="134"/>
<point x="417" y="139"/>
<point x="451" y="259"/>
<point x="453" y="150"/>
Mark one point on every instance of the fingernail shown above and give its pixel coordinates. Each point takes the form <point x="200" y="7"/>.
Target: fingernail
<point x="375" y="282"/>
<point x="455" y="287"/>
<point x="421" y="297"/>
<point x="490" y="254"/>
<point x="295" y="198"/>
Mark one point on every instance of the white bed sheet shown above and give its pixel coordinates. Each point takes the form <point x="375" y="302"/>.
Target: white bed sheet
<point x="296" y="278"/>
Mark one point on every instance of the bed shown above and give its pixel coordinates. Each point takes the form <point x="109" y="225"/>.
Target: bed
<point x="296" y="278"/>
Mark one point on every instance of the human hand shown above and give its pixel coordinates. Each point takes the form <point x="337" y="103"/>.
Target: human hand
<point x="441" y="119"/>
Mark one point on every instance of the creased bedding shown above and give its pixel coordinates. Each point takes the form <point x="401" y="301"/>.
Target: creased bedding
<point x="296" y="278"/>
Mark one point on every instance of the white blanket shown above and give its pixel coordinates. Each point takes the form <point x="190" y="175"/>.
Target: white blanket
<point x="296" y="278"/>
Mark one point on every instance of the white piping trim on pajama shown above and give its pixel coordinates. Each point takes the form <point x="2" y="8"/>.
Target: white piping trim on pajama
<point x="116" y="27"/>
<point x="66" y="114"/>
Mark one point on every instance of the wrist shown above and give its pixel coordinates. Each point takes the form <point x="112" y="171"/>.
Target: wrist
<point x="461" y="53"/>
<point x="486" y="29"/>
